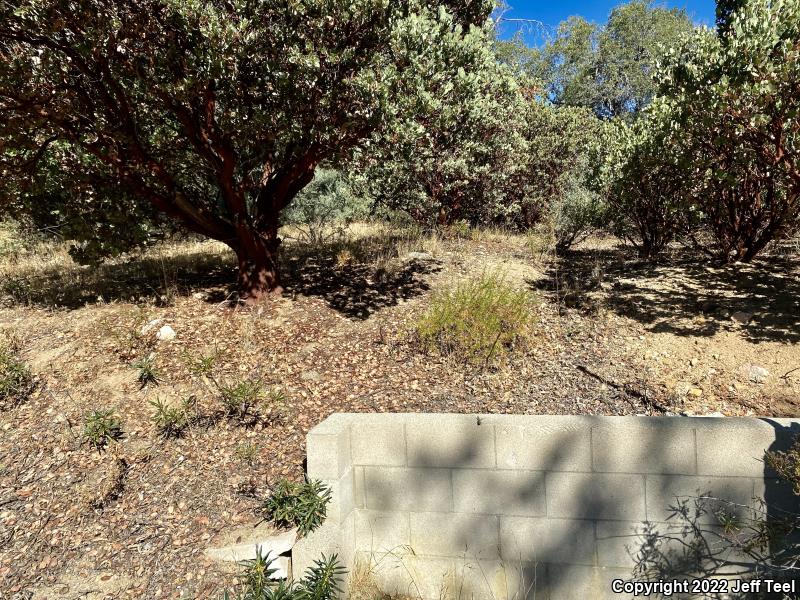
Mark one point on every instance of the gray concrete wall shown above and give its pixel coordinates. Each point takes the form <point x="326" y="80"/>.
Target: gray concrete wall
<point x="513" y="506"/>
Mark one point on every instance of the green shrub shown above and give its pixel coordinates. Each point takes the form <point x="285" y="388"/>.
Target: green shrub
<point x="478" y="321"/>
<point x="575" y="215"/>
<point x="101" y="427"/>
<point x="241" y="400"/>
<point x="302" y="505"/>
<point x="148" y="373"/>
<point x="170" y="421"/>
<point x="16" y="381"/>
<point x="322" y="210"/>
<point x="321" y="581"/>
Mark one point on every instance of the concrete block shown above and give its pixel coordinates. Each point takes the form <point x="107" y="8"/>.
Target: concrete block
<point x="644" y="446"/>
<point x="402" y="489"/>
<point x="493" y="579"/>
<point x="549" y="443"/>
<point x="406" y="575"/>
<point x="499" y="492"/>
<point x="618" y="543"/>
<point x="595" y="496"/>
<point x="381" y="532"/>
<point x="359" y="488"/>
<point x="570" y="582"/>
<point x="379" y="444"/>
<point x="455" y="535"/>
<point x="666" y="493"/>
<point x="442" y="443"/>
<point x="734" y="447"/>
<point x="327" y="540"/>
<point x="327" y="455"/>
<point x="547" y="540"/>
<point x="342" y="497"/>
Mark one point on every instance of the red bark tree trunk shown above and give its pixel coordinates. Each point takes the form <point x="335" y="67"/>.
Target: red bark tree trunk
<point x="258" y="265"/>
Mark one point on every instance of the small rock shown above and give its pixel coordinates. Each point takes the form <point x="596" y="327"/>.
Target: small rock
<point x="151" y="326"/>
<point x="694" y="362"/>
<point x="419" y="256"/>
<point x="754" y="373"/>
<point x="715" y="356"/>
<point x="714" y="414"/>
<point x="310" y="375"/>
<point x="166" y="334"/>
<point x="742" y="317"/>
<point x="695" y="392"/>
<point x="199" y="296"/>
<point x="758" y="374"/>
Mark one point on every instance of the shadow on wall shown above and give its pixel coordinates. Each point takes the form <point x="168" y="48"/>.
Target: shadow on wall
<point x="713" y="537"/>
<point x="682" y="295"/>
<point x="560" y="510"/>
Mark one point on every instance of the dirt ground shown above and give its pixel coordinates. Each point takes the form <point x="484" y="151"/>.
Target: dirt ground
<point x="613" y="336"/>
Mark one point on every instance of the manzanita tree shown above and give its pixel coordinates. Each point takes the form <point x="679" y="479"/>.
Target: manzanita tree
<point x="213" y="113"/>
<point x="734" y="107"/>
<point x="459" y="154"/>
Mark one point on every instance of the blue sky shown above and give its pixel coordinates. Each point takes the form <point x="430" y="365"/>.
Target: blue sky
<point x="552" y="13"/>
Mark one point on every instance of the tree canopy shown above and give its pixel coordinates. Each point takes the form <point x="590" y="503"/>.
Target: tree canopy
<point x="213" y="113"/>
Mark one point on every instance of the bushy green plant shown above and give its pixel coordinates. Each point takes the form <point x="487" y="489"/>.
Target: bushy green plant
<point x="643" y="183"/>
<point x="147" y="371"/>
<point x="574" y="215"/>
<point x="302" y="505"/>
<point x="459" y="154"/>
<point x="320" y="582"/>
<point x="201" y="365"/>
<point x="241" y="399"/>
<point x="16" y="380"/>
<point x="170" y="420"/>
<point x="102" y="427"/>
<point x="478" y="321"/>
<point x="325" y="207"/>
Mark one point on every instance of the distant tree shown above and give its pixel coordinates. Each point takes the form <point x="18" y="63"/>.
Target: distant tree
<point x="212" y="113"/>
<point x="610" y="68"/>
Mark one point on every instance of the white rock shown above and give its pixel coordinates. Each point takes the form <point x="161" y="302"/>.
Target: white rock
<point x="420" y="256"/>
<point x="166" y="333"/>
<point x="758" y="374"/>
<point x="151" y="326"/>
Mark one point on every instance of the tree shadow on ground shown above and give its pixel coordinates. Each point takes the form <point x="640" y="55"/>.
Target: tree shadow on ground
<point x="683" y="295"/>
<point x="352" y="281"/>
<point x="156" y="279"/>
<point x="355" y="277"/>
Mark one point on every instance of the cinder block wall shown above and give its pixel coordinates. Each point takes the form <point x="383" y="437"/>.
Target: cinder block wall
<point x="512" y="506"/>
